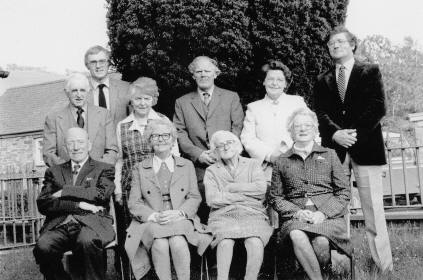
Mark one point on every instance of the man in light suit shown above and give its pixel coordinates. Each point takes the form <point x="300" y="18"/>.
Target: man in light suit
<point x="75" y="198"/>
<point x="350" y="102"/>
<point x="98" y="122"/>
<point x="201" y="113"/>
<point x="106" y="92"/>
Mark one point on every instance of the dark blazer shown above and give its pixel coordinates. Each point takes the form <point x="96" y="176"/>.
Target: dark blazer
<point x="94" y="185"/>
<point x="100" y="128"/>
<point x="363" y="108"/>
<point x="118" y="98"/>
<point x="195" y="127"/>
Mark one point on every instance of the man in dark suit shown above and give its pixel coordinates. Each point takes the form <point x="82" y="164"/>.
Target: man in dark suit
<point x="75" y="198"/>
<point x="106" y="92"/>
<point x="201" y="113"/>
<point x="350" y="102"/>
<point x="98" y="122"/>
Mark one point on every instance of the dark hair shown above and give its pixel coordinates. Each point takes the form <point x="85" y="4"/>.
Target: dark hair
<point x="342" y="29"/>
<point x="277" y="65"/>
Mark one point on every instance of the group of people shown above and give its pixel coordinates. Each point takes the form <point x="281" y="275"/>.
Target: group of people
<point x="186" y="182"/>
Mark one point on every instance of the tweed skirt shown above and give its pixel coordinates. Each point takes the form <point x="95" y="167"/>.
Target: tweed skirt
<point x="335" y="230"/>
<point x="185" y="228"/>
<point x="239" y="223"/>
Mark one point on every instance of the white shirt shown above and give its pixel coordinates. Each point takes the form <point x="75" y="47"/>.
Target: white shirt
<point x="169" y="161"/>
<point x="348" y="68"/>
<point x="209" y="91"/>
<point x="96" y="91"/>
<point x="80" y="164"/>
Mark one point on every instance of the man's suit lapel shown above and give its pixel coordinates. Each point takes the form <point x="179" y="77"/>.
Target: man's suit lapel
<point x="85" y="170"/>
<point x="353" y="81"/>
<point x="330" y="79"/>
<point x="197" y="103"/>
<point x="214" y="102"/>
<point x="66" y="120"/>
<point x="93" y="122"/>
<point x="67" y="173"/>
<point x="113" y="97"/>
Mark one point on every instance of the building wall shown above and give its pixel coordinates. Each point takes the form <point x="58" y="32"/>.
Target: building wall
<point x="20" y="152"/>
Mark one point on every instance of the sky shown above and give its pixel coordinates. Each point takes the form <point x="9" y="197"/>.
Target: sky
<point x="55" y="34"/>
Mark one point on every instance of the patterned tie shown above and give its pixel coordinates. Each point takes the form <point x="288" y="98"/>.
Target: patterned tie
<point x="101" y="96"/>
<point x="75" y="171"/>
<point x="206" y="98"/>
<point x="341" y="82"/>
<point x="80" y="118"/>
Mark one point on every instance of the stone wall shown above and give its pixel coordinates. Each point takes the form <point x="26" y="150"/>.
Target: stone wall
<point x="19" y="152"/>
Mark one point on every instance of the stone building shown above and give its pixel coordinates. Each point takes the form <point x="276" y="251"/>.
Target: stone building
<point x="22" y="114"/>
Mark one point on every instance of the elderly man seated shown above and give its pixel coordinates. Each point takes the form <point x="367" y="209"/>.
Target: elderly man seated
<point x="74" y="199"/>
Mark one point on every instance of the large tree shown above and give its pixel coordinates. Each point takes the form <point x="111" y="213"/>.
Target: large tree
<point x="159" y="38"/>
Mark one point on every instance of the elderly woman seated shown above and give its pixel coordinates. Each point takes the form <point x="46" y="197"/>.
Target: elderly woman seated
<point x="235" y="191"/>
<point x="310" y="191"/>
<point x="163" y="202"/>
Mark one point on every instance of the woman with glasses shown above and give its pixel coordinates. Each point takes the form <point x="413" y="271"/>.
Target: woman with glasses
<point x="163" y="203"/>
<point x="310" y="192"/>
<point x="235" y="191"/>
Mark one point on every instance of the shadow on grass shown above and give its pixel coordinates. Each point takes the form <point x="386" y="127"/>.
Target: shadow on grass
<point x="406" y="242"/>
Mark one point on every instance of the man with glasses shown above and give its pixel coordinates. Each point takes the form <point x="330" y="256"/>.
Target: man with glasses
<point x="201" y="113"/>
<point x="350" y="102"/>
<point x="106" y="92"/>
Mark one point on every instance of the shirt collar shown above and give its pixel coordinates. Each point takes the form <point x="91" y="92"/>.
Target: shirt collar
<point x="152" y="115"/>
<point x="347" y="64"/>
<point x="80" y="164"/>
<point x="75" y="109"/>
<point x="169" y="161"/>
<point x="209" y="91"/>
<point x="277" y="101"/>
<point x="106" y="82"/>
<point x="307" y="149"/>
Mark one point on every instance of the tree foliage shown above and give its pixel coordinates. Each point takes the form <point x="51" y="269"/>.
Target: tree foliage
<point x="159" y="38"/>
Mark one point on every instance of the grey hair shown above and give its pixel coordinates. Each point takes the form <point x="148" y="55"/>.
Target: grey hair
<point x="193" y="65"/>
<point x="230" y="135"/>
<point x="95" y="50"/>
<point x="76" y="76"/>
<point x="144" y="85"/>
<point x="301" y="112"/>
<point x="153" y="124"/>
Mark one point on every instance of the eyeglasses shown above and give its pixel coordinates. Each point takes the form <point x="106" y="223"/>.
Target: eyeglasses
<point x="339" y="42"/>
<point x="306" y="126"/>
<point x="223" y="145"/>
<point x="157" y="137"/>
<point x="94" y="63"/>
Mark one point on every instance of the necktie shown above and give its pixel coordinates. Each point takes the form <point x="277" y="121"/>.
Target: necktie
<point x="75" y="171"/>
<point x="101" y="96"/>
<point x="80" y="118"/>
<point x="206" y="98"/>
<point x="341" y="82"/>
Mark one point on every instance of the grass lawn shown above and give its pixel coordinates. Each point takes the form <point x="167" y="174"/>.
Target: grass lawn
<point x="406" y="241"/>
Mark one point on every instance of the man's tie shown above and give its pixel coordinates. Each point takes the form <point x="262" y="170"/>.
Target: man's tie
<point x="80" y="118"/>
<point x="341" y="82"/>
<point x="75" y="172"/>
<point x="206" y="98"/>
<point x="101" y="96"/>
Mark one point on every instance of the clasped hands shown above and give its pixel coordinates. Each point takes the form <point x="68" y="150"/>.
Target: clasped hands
<point x="167" y="216"/>
<point x="345" y="137"/>
<point x="207" y="157"/>
<point x="83" y="205"/>
<point x="311" y="217"/>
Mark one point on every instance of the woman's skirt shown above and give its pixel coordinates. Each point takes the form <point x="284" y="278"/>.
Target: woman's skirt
<point x="239" y="223"/>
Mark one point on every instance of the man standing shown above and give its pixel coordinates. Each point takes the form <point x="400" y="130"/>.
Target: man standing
<point x="350" y="102"/>
<point x="201" y="113"/>
<point x="75" y="198"/>
<point x="111" y="94"/>
<point x="97" y="121"/>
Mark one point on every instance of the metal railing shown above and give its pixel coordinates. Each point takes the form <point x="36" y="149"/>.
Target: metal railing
<point x="20" y="221"/>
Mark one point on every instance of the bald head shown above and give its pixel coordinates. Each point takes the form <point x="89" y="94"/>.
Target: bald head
<point x="77" y="144"/>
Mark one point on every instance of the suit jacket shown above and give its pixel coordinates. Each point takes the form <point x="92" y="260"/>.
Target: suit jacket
<point x="101" y="132"/>
<point x="118" y="99"/>
<point x="195" y="127"/>
<point x="94" y="185"/>
<point x="363" y="108"/>
<point x="146" y="198"/>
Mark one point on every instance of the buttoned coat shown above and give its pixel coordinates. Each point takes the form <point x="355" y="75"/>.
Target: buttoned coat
<point x="118" y="99"/>
<point x="363" y="108"/>
<point x="146" y="198"/>
<point x="195" y="127"/>
<point x="101" y="133"/>
<point x="94" y="185"/>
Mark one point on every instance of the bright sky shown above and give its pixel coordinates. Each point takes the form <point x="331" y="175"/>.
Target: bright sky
<point x="55" y="33"/>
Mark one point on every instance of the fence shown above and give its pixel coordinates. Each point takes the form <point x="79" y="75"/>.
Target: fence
<point x="20" y="221"/>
